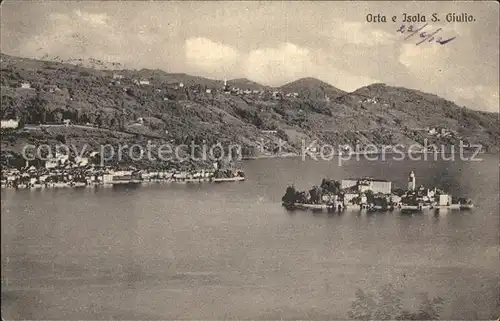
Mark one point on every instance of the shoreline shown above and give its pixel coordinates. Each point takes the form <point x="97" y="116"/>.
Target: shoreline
<point x="403" y="208"/>
<point x="42" y="178"/>
<point x="124" y="183"/>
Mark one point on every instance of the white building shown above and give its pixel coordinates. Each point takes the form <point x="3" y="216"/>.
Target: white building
<point x="444" y="200"/>
<point x="51" y="163"/>
<point x="118" y="76"/>
<point x="411" y="181"/>
<point x="81" y="161"/>
<point x="367" y="184"/>
<point x="25" y="85"/>
<point x="114" y="177"/>
<point x="9" y="123"/>
<point x="141" y="82"/>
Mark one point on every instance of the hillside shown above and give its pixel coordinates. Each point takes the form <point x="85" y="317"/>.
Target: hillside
<point x="312" y="88"/>
<point x="112" y="108"/>
<point x="246" y="84"/>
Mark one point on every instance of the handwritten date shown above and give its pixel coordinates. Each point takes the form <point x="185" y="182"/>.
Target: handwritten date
<point x="423" y="35"/>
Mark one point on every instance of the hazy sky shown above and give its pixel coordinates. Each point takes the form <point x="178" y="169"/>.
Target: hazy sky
<point x="271" y="42"/>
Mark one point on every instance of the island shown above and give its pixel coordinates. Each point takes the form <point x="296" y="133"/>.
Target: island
<point x="372" y="195"/>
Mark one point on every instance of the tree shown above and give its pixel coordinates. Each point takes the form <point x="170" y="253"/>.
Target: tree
<point x="282" y="134"/>
<point x="61" y="138"/>
<point x="386" y="304"/>
<point x="363" y="306"/>
<point x="390" y="303"/>
<point x="399" y="192"/>
<point x="316" y="194"/>
<point x="381" y="201"/>
<point x="58" y="117"/>
<point x="302" y="197"/>
<point x="370" y="198"/>
<point x="98" y="120"/>
<point x="330" y="186"/>
<point x="290" y="194"/>
<point x="429" y="309"/>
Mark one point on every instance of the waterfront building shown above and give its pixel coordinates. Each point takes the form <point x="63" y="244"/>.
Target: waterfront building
<point x="444" y="200"/>
<point x="117" y="177"/>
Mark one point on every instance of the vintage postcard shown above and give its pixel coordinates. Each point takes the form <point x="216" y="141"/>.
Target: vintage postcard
<point x="250" y="160"/>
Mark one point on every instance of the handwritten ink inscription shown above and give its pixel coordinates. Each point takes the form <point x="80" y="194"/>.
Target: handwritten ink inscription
<point x="423" y="36"/>
<point x="415" y="26"/>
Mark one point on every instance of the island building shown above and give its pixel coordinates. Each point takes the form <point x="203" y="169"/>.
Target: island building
<point x="411" y="181"/>
<point x="367" y="183"/>
<point x="444" y="200"/>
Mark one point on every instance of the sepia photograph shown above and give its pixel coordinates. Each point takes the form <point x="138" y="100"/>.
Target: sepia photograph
<point x="250" y="160"/>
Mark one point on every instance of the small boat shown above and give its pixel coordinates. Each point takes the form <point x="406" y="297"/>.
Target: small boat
<point x="228" y="179"/>
<point x="466" y="206"/>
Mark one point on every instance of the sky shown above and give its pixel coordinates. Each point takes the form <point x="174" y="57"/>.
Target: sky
<point x="272" y="42"/>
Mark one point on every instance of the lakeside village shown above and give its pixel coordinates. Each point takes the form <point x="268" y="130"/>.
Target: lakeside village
<point x="62" y="171"/>
<point x="371" y="195"/>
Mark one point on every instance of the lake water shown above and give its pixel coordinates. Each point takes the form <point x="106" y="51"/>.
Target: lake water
<point x="220" y="251"/>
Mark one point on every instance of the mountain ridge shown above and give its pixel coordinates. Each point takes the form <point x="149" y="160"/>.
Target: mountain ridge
<point x="304" y="84"/>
